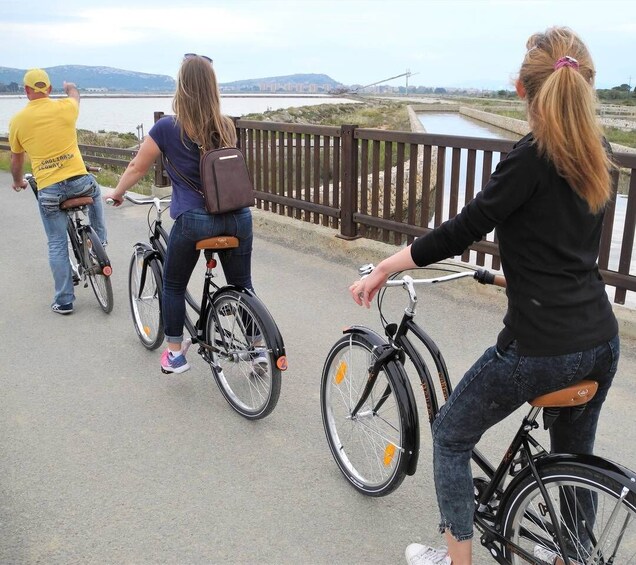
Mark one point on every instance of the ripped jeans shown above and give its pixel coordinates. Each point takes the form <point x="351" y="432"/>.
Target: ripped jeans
<point x="55" y="221"/>
<point x="494" y="387"/>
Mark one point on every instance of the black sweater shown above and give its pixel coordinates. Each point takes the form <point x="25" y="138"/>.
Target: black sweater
<point x="549" y="243"/>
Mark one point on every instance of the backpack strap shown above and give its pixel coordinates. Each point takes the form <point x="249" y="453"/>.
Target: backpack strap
<point x="180" y="175"/>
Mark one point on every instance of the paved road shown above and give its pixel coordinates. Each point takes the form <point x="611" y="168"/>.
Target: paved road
<point x="103" y="459"/>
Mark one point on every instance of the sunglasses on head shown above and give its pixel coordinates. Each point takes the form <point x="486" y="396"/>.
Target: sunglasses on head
<point x="204" y="57"/>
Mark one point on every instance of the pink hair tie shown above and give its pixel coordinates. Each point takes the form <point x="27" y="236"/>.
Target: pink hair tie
<point x="566" y="61"/>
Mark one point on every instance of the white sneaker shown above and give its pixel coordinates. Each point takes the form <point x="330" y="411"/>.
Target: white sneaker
<point x="418" y="554"/>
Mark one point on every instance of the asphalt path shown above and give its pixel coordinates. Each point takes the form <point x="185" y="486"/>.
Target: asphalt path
<point x="104" y="459"/>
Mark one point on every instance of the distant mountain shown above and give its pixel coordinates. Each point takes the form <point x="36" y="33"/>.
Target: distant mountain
<point x="96" y="78"/>
<point x="289" y="83"/>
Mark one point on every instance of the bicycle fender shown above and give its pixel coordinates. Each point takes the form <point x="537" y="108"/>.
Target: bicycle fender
<point x="147" y="250"/>
<point x="621" y="474"/>
<point x="278" y="346"/>
<point x="405" y="396"/>
<point x="98" y="248"/>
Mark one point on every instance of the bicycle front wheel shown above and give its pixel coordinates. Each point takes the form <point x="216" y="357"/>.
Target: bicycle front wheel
<point x="368" y="447"/>
<point x="595" y="514"/>
<point x="145" y="302"/>
<point x="99" y="279"/>
<point x="238" y="326"/>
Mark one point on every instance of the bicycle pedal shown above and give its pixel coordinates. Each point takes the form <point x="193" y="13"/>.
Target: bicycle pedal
<point x="76" y="280"/>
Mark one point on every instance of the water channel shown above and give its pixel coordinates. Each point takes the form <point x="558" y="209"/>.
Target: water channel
<point x="453" y="123"/>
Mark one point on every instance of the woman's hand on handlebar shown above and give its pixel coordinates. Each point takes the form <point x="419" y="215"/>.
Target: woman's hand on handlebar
<point x="113" y="199"/>
<point x="364" y="290"/>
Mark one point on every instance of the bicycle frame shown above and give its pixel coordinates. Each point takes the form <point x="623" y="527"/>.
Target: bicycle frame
<point x="74" y="228"/>
<point x="157" y="250"/>
<point x="524" y="456"/>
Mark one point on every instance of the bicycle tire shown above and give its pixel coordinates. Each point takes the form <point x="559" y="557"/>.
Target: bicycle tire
<point x="369" y="450"/>
<point x="244" y="368"/>
<point x="145" y="304"/>
<point x="94" y="254"/>
<point x="584" y="499"/>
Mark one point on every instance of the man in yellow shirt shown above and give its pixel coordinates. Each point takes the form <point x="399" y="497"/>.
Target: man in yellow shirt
<point x="45" y="129"/>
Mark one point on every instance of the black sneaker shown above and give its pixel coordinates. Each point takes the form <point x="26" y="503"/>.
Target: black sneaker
<point x="62" y="308"/>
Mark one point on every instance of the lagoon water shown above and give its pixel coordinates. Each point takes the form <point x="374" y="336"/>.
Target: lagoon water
<point x="125" y="114"/>
<point x="454" y="123"/>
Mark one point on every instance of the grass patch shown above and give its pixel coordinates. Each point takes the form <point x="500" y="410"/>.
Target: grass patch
<point x="380" y="114"/>
<point x="622" y="137"/>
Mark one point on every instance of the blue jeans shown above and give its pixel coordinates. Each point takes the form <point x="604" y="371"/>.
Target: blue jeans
<point x="182" y="257"/>
<point x="55" y="221"/>
<point x="494" y="387"/>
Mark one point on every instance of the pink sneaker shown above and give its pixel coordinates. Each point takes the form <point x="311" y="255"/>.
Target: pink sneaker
<point x="171" y="364"/>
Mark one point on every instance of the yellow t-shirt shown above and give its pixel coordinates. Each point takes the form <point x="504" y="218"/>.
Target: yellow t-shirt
<point x="45" y="129"/>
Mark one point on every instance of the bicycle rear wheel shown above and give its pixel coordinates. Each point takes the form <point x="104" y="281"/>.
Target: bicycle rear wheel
<point x="369" y="447"/>
<point x="240" y="327"/>
<point x="145" y="303"/>
<point x="595" y="516"/>
<point x="94" y="259"/>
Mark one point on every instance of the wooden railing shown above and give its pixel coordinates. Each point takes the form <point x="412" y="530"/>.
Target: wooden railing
<point x="393" y="186"/>
<point x="94" y="154"/>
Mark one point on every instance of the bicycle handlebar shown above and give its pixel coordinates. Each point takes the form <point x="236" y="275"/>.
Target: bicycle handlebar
<point x="152" y="200"/>
<point x="483" y="276"/>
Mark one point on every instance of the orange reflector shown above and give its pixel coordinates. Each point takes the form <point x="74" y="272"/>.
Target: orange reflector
<point x="340" y="372"/>
<point x="146" y="330"/>
<point x="107" y="271"/>
<point x="281" y="363"/>
<point x="389" y="452"/>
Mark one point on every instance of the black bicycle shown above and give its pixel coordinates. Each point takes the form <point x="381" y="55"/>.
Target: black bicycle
<point x="89" y="260"/>
<point x="534" y="507"/>
<point x="235" y="333"/>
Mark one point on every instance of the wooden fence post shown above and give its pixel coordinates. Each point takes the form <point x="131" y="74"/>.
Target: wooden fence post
<point x="349" y="202"/>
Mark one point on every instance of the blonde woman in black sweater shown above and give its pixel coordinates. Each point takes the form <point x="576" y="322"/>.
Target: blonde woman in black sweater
<point x="546" y="201"/>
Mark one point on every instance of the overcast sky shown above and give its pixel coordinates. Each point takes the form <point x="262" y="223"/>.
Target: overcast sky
<point x="476" y="43"/>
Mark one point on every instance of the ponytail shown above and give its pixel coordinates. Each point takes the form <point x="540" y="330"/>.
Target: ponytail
<point x="557" y="75"/>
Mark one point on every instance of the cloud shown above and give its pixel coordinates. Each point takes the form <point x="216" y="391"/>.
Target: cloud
<point x="128" y="26"/>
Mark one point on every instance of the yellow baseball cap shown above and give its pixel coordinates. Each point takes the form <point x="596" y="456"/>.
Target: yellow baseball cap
<point x="38" y="80"/>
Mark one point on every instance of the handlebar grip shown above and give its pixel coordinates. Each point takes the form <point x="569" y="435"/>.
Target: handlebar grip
<point x="484" y="276"/>
<point x="93" y="169"/>
<point x="110" y="201"/>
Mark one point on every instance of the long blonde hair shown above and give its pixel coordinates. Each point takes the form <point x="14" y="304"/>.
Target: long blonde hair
<point x="197" y="105"/>
<point x="562" y="112"/>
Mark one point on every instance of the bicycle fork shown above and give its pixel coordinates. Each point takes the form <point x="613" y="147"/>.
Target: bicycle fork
<point x="387" y="353"/>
